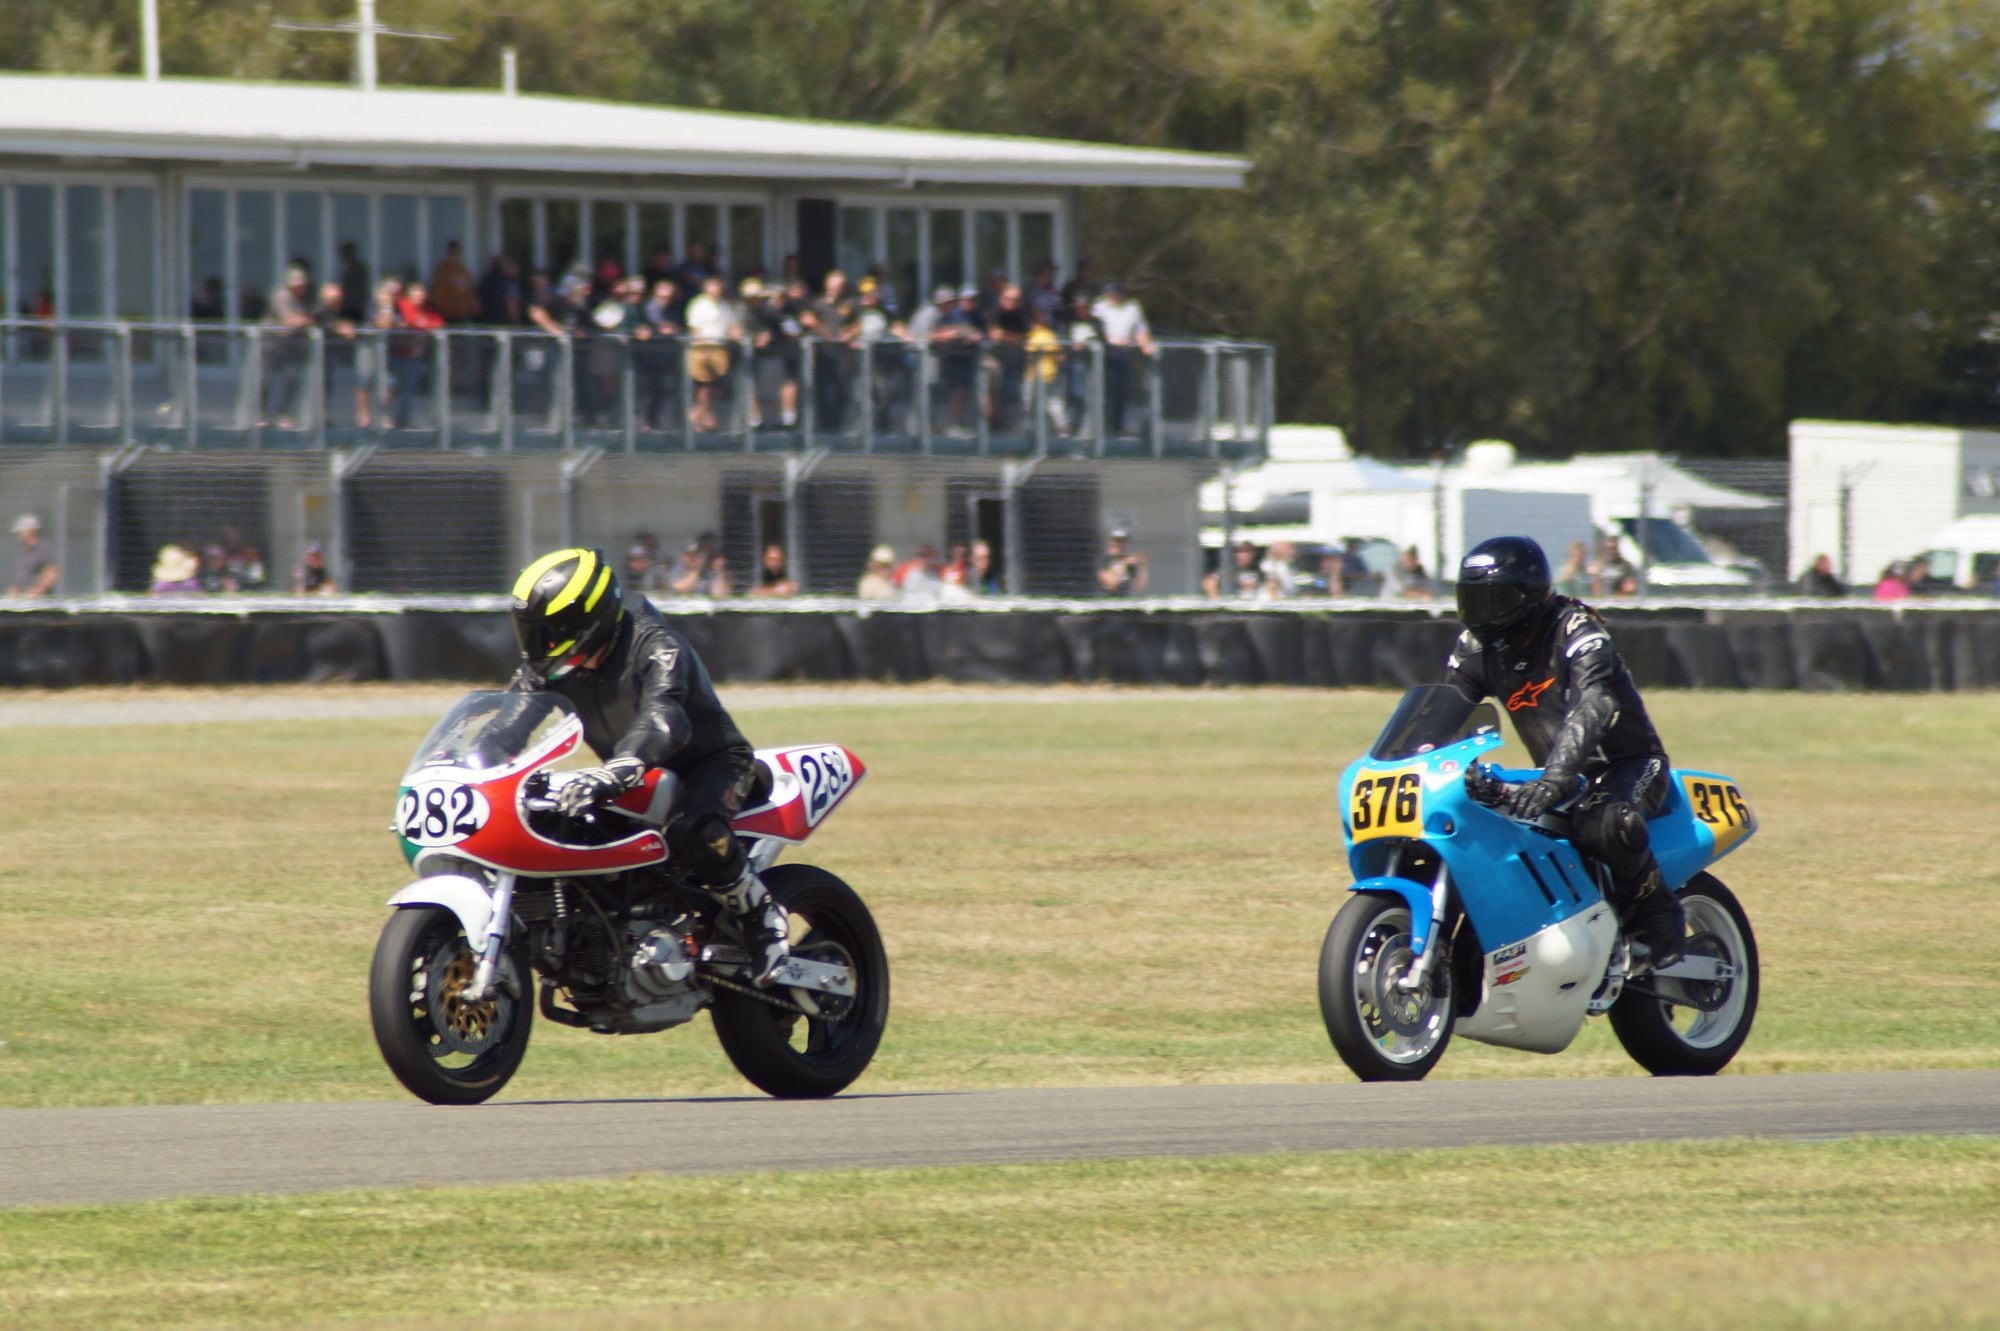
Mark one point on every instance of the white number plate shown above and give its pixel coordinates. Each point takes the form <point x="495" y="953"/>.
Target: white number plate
<point x="826" y="775"/>
<point x="440" y="813"/>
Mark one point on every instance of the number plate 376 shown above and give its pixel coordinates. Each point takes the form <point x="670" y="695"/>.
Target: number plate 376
<point x="440" y="813"/>
<point x="1387" y="804"/>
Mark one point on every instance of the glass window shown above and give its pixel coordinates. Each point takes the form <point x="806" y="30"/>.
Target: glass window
<point x="444" y="221"/>
<point x="1038" y="241"/>
<point x="208" y="251"/>
<point x="656" y="235"/>
<point x="85" y="252"/>
<point x="35" y="250"/>
<point x="402" y="242"/>
<point x="517" y="231"/>
<point x="353" y="248"/>
<point x="989" y="245"/>
<point x="607" y="234"/>
<point x="564" y="230"/>
<point x="704" y="228"/>
<point x="134" y="239"/>
<point x="305" y="239"/>
<point x="746" y="239"/>
<point x="905" y="258"/>
<point x="948" y="246"/>
<point x="856" y="252"/>
<point x="256" y="251"/>
<point x="6" y="254"/>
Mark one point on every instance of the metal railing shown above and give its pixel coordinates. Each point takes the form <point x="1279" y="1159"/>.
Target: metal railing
<point x="217" y="387"/>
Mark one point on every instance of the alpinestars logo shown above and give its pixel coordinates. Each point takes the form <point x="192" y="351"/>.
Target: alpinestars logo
<point x="1529" y="695"/>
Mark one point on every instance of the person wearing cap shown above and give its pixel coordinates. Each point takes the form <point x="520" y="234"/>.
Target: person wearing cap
<point x="1122" y="571"/>
<point x="961" y="333"/>
<point x="1126" y="338"/>
<point x="35" y="569"/>
<point x="642" y="572"/>
<point x="176" y="571"/>
<point x="312" y="577"/>
<point x="286" y="349"/>
<point x="877" y="580"/>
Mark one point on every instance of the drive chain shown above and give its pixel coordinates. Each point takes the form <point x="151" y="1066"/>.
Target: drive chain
<point x="751" y="991"/>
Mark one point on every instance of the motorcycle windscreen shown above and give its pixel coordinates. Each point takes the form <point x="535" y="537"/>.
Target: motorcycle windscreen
<point x="488" y="728"/>
<point x="1429" y="717"/>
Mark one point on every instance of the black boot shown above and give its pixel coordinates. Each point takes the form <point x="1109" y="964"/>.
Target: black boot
<point x="1654" y="918"/>
<point x="764" y="923"/>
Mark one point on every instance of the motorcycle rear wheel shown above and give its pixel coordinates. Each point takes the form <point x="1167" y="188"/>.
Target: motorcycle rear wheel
<point x="442" y="1049"/>
<point x="1379" y="1031"/>
<point x="791" y="1055"/>
<point x="1699" y="1037"/>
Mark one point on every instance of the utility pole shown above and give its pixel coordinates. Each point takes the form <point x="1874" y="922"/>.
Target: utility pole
<point x="149" y="38"/>
<point x="365" y="30"/>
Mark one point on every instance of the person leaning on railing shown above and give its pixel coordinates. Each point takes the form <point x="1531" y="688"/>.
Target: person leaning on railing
<point x="286" y="351"/>
<point x="1127" y="338"/>
<point x="712" y="323"/>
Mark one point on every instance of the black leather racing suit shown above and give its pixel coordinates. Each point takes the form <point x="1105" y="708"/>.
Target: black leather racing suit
<point x="1574" y="704"/>
<point x="651" y="699"/>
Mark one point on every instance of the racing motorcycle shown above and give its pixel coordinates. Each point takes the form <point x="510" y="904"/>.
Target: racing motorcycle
<point x="1466" y="921"/>
<point x="623" y="942"/>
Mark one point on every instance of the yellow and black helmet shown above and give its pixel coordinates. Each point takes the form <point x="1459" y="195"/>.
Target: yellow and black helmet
<point x="566" y="605"/>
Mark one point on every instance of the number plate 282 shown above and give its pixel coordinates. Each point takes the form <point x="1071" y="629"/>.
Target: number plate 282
<point x="1387" y="804"/>
<point x="440" y="813"/>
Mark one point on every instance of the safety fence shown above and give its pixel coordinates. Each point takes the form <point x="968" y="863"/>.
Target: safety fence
<point x="1801" y="648"/>
<point x="203" y="387"/>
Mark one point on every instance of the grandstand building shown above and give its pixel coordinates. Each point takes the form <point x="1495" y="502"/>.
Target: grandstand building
<point x="148" y="394"/>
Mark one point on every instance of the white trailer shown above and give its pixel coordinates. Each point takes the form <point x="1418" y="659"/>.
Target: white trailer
<point x="1872" y="495"/>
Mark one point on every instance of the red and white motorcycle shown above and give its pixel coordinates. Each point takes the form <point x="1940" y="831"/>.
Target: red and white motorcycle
<point x="623" y="941"/>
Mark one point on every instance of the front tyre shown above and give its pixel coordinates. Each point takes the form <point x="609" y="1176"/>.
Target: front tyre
<point x="1381" y="1032"/>
<point x="792" y="1055"/>
<point x="442" y="1048"/>
<point x="1692" y="1028"/>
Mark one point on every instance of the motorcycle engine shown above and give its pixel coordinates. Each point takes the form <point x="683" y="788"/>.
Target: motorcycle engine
<point x="658" y="965"/>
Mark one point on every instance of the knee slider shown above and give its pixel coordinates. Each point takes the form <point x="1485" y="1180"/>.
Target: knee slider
<point x="706" y="843"/>
<point x="1628" y="829"/>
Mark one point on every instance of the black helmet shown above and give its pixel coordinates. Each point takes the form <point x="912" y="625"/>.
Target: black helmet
<point x="1501" y="582"/>
<point x="566" y="606"/>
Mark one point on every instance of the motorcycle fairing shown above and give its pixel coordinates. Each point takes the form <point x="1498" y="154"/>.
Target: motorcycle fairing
<point x="807" y="782"/>
<point x="1535" y="993"/>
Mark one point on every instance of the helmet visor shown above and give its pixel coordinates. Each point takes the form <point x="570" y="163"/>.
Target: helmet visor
<point x="547" y="654"/>
<point x="1485" y="606"/>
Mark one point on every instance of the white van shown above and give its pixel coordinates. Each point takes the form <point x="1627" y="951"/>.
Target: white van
<point x="1966" y="554"/>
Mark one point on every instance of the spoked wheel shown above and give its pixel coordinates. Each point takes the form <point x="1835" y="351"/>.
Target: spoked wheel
<point x="795" y="1055"/>
<point x="1692" y="1028"/>
<point x="444" y="1049"/>
<point x="1381" y="1032"/>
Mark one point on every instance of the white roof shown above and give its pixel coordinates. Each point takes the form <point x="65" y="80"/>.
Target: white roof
<point x="1617" y="479"/>
<point x="299" y="125"/>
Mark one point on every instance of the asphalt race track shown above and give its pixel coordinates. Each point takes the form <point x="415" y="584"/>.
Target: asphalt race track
<point x="60" y="1156"/>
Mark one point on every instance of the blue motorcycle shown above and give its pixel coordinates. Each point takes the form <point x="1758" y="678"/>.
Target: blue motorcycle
<point x="1466" y="921"/>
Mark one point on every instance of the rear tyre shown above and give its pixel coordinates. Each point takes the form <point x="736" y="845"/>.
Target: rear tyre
<point x="791" y="1055"/>
<point x="443" y="1049"/>
<point x="1692" y="1028"/>
<point x="1381" y="1032"/>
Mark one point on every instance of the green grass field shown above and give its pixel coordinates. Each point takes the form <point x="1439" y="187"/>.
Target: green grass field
<point x="1115" y="888"/>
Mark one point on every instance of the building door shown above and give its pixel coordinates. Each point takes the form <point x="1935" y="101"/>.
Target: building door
<point x="818" y="234"/>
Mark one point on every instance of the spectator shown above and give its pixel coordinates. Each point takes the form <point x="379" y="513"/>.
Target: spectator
<point x="833" y="319"/>
<point x="215" y="577"/>
<point x="242" y="562"/>
<point x="773" y="577"/>
<point x="454" y="294"/>
<point x="1007" y="335"/>
<point x="1083" y="286"/>
<point x="961" y="331"/>
<point x="413" y="352"/>
<point x="772" y="319"/>
<point x="502" y="303"/>
<point x="1573" y="578"/>
<point x="287" y="350"/>
<point x="982" y="577"/>
<point x="1122" y="571"/>
<point x="312" y="577"/>
<point x="661" y="268"/>
<point x="1918" y="575"/>
<point x="1893" y="585"/>
<point x="1044" y="296"/>
<point x="1241" y="577"/>
<point x="1331" y="577"/>
<point x="1043" y="350"/>
<point x="1819" y="580"/>
<point x="686" y="574"/>
<point x="922" y="569"/>
<point x="1281" y="580"/>
<point x="697" y="268"/>
<point x="382" y="320"/>
<point x="1082" y="337"/>
<point x="176" y="571"/>
<point x="1126" y="338"/>
<point x="657" y="355"/>
<point x="1610" y="571"/>
<point x="353" y="285"/>
<point x="1406" y="579"/>
<point x="712" y="324"/>
<point x="876" y="582"/>
<point x="642" y="572"/>
<point x="36" y="571"/>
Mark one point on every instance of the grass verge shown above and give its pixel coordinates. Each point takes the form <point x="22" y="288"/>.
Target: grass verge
<point x="1792" y="1233"/>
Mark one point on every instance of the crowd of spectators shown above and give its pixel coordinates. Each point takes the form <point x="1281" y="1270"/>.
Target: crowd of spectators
<point x="230" y="565"/>
<point x="923" y="577"/>
<point x="714" y="354"/>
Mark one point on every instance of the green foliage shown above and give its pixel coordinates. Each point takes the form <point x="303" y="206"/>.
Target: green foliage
<point x="1574" y="223"/>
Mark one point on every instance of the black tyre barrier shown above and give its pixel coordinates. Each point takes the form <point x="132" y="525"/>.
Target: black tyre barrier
<point x="1815" y="650"/>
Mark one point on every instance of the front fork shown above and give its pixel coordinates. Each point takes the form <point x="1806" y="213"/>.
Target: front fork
<point x="495" y="942"/>
<point x="1419" y="973"/>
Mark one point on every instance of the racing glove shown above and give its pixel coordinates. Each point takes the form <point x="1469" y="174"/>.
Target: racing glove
<point x="1531" y="799"/>
<point x="1484" y="787"/>
<point x="593" y="785"/>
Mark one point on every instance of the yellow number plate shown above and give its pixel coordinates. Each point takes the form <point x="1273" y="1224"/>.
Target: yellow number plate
<point x="1387" y="804"/>
<point x="1720" y="805"/>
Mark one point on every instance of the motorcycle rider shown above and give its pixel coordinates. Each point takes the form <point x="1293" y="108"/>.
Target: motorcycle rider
<point x="1550" y="661"/>
<point x="646" y="701"/>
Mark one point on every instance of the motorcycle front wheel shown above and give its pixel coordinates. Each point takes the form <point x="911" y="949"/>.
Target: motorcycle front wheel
<point x="794" y="1055"/>
<point x="442" y="1048"/>
<point x="1381" y="1032"/>
<point x="1692" y="1028"/>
